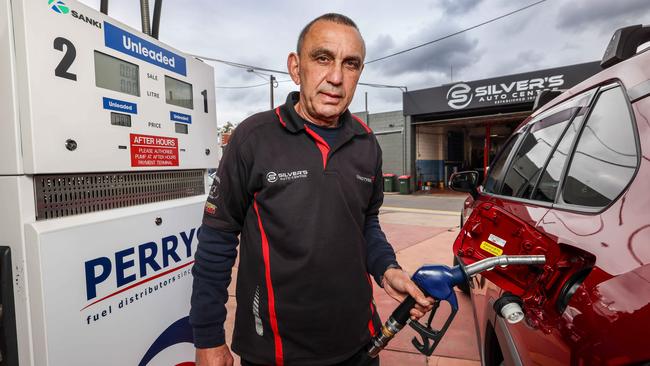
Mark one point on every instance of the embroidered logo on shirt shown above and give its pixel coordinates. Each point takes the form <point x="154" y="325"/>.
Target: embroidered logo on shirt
<point x="365" y="179"/>
<point x="214" y="190"/>
<point x="259" y="328"/>
<point x="273" y="177"/>
<point x="210" y="208"/>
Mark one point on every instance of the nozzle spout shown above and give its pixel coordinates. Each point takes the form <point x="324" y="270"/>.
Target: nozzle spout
<point x="503" y="260"/>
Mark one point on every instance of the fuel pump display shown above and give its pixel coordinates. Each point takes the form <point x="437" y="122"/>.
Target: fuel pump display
<point x="107" y="135"/>
<point x="117" y="75"/>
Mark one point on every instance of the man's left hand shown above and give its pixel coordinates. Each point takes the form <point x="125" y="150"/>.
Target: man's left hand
<point x="398" y="285"/>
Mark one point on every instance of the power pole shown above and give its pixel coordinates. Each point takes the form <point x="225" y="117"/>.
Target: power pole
<point x="367" y="116"/>
<point x="272" y="81"/>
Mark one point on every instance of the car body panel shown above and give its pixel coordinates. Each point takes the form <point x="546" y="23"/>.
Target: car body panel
<point x="607" y="319"/>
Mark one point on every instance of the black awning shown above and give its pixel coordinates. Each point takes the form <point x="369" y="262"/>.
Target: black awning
<point x="511" y="92"/>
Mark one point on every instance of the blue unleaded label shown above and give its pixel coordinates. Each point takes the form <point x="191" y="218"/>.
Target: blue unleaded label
<point x="137" y="47"/>
<point x="180" y="117"/>
<point x="120" y="105"/>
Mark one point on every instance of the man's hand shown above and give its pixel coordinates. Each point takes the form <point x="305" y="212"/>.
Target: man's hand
<point x="398" y="284"/>
<point x="217" y="356"/>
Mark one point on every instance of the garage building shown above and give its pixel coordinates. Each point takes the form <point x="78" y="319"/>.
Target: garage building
<point x="463" y="125"/>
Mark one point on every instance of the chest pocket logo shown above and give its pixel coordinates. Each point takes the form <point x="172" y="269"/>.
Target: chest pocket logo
<point x="273" y="177"/>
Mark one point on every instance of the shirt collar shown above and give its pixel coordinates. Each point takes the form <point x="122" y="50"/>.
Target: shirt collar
<point x="292" y="121"/>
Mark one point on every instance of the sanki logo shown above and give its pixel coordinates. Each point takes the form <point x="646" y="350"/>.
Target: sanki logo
<point x="58" y="6"/>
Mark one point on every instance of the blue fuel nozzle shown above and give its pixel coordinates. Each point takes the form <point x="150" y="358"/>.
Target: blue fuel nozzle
<point x="438" y="281"/>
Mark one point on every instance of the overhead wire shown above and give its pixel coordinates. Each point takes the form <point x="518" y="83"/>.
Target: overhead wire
<point x="240" y="65"/>
<point x="250" y="86"/>
<point x="241" y="87"/>
<point x="252" y="67"/>
<point x="456" y="33"/>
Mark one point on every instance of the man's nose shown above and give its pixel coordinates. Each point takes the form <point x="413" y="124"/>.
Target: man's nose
<point x="335" y="74"/>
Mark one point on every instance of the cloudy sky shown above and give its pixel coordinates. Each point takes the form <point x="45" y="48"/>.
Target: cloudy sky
<point x="261" y="33"/>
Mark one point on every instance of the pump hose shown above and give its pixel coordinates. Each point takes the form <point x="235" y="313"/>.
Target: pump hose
<point x="144" y="17"/>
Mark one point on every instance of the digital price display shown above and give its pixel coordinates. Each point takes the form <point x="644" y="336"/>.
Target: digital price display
<point x="181" y="128"/>
<point x="178" y="93"/>
<point x="119" y="119"/>
<point x="114" y="74"/>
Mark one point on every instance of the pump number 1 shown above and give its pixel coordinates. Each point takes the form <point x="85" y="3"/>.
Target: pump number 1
<point x="67" y="60"/>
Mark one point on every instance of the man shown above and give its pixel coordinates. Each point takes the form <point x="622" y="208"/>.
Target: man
<point x="302" y="184"/>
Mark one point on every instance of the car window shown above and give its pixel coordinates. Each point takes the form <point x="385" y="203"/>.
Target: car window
<point x="496" y="169"/>
<point x="605" y="157"/>
<point x="548" y="183"/>
<point x="534" y="151"/>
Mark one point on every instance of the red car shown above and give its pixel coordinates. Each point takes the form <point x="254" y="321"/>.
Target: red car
<point x="572" y="183"/>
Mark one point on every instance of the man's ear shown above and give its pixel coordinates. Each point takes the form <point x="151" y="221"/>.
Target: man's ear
<point x="293" y="66"/>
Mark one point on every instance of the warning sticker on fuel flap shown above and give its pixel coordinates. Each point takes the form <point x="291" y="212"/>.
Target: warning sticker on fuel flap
<point x="492" y="249"/>
<point x="496" y="240"/>
<point x="153" y="151"/>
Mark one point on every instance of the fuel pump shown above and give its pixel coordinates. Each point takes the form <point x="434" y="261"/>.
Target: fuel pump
<point x="107" y="135"/>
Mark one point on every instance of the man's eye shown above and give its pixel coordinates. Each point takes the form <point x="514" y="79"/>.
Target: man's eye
<point x="353" y="65"/>
<point x="322" y="59"/>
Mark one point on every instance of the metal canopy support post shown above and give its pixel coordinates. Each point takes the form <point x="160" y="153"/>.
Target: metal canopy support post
<point x="103" y="6"/>
<point x="486" y="150"/>
<point x="272" y="81"/>
<point x="405" y="127"/>
<point x="155" y="26"/>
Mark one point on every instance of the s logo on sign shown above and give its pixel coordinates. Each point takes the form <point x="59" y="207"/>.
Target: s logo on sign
<point x="459" y="96"/>
<point x="271" y="177"/>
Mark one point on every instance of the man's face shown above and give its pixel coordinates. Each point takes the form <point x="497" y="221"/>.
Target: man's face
<point x="327" y="70"/>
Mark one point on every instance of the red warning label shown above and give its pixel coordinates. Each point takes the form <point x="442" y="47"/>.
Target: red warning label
<point x="153" y="150"/>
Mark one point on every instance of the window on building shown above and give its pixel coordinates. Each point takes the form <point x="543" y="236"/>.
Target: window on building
<point x="605" y="157"/>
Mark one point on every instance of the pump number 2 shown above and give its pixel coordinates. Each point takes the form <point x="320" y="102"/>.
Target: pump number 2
<point x="67" y="60"/>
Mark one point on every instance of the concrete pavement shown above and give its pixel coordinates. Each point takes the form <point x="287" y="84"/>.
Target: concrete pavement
<point x="421" y="234"/>
<point x="420" y="238"/>
<point x="447" y="201"/>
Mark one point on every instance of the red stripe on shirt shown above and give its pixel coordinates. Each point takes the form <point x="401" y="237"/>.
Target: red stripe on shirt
<point x="365" y="126"/>
<point x="322" y="145"/>
<point x="371" y="326"/>
<point x="277" y="111"/>
<point x="279" y="357"/>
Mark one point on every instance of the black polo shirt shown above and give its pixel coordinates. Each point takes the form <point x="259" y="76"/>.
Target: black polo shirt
<point x="303" y="209"/>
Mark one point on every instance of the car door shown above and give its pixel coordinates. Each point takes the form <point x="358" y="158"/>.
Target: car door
<point x="601" y="209"/>
<point x="594" y="289"/>
<point x="516" y="196"/>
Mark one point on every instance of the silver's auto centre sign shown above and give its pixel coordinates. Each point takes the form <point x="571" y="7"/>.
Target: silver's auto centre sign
<point x="461" y="95"/>
<point x="495" y="92"/>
